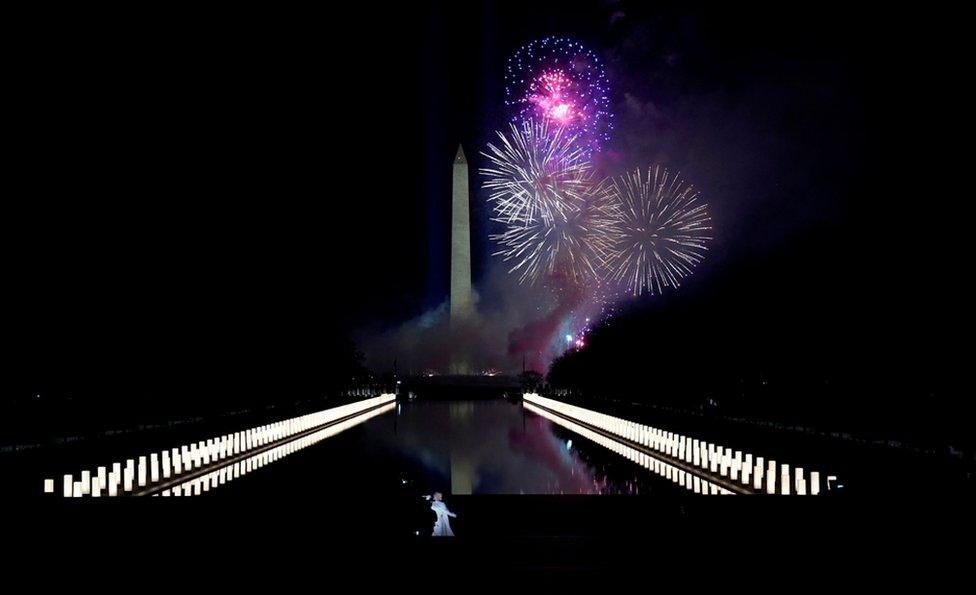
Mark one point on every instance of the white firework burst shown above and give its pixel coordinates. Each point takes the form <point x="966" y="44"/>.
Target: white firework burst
<point x="661" y="232"/>
<point x="536" y="172"/>
<point x="574" y="243"/>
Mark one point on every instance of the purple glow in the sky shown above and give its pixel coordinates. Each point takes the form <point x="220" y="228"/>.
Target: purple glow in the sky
<point x="558" y="80"/>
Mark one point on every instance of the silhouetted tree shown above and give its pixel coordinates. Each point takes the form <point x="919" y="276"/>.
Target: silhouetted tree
<point x="530" y="381"/>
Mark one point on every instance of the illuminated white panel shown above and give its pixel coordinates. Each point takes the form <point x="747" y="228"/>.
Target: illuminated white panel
<point x="102" y="474"/>
<point x="129" y="474"/>
<point x="801" y="484"/>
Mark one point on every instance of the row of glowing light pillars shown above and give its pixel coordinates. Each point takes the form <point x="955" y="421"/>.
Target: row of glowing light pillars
<point x="738" y="467"/>
<point x="218" y="477"/>
<point x="170" y="464"/>
<point x="679" y="476"/>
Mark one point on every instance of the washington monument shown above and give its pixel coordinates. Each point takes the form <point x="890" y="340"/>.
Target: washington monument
<point x="462" y="305"/>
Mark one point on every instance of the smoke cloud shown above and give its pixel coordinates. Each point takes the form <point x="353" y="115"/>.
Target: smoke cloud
<point x="510" y="321"/>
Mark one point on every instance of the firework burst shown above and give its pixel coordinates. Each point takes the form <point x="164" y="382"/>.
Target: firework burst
<point x="559" y="80"/>
<point x="535" y="174"/>
<point x="661" y="232"/>
<point x="574" y="244"/>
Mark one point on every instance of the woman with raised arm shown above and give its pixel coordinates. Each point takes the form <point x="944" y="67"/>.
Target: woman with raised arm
<point x="442" y="525"/>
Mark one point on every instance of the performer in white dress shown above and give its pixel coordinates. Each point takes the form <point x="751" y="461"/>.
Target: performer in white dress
<point x="442" y="526"/>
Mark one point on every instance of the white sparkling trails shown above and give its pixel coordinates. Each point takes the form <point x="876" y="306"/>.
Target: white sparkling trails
<point x="535" y="173"/>
<point x="661" y="233"/>
<point x="574" y="244"/>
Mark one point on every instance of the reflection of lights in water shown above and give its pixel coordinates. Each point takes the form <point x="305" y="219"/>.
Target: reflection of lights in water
<point x="679" y="476"/>
<point x="230" y="472"/>
<point x="207" y="454"/>
<point x="507" y="452"/>
<point x="698" y="453"/>
<point x="461" y="410"/>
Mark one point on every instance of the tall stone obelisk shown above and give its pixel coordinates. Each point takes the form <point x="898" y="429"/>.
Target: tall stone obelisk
<point x="461" y="299"/>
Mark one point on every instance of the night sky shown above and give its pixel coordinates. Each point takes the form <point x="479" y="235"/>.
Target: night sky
<point x="192" y="195"/>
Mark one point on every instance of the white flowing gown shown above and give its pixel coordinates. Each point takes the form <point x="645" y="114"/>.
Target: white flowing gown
<point x="442" y="526"/>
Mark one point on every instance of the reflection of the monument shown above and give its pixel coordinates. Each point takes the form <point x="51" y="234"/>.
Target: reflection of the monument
<point x="494" y="447"/>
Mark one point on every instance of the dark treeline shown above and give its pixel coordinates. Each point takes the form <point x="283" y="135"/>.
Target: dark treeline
<point x="807" y="337"/>
<point x="82" y="387"/>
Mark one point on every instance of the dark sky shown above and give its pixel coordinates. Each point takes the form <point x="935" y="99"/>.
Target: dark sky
<point x="202" y="191"/>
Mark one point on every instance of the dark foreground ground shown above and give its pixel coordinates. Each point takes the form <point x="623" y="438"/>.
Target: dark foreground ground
<point x="229" y="541"/>
<point x="326" y="515"/>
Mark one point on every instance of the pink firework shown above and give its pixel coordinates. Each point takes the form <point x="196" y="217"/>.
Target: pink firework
<point x="559" y="81"/>
<point x="552" y="96"/>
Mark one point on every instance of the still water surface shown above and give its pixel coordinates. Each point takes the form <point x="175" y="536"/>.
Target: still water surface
<point x="460" y="447"/>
